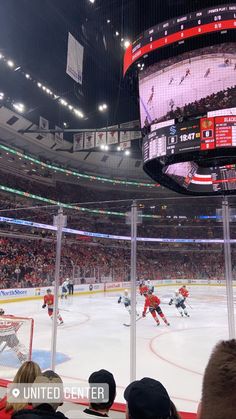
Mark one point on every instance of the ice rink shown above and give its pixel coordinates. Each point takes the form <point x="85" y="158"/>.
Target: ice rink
<point x="94" y="337"/>
<point x="193" y="88"/>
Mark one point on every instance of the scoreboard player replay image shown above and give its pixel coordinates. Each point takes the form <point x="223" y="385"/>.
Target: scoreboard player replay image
<point x="187" y="97"/>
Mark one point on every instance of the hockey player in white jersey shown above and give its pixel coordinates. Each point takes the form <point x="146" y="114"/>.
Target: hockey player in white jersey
<point x="150" y="286"/>
<point x="178" y="301"/>
<point x="64" y="289"/>
<point x="125" y="299"/>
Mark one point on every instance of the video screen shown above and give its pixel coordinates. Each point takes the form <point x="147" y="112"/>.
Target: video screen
<point x="189" y="84"/>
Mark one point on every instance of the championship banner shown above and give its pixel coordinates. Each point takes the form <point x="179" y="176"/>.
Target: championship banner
<point x="89" y="140"/>
<point x="135" y="135"/>
<point x="112" y="136"/>
<point x="78" y="141"/>
<point x="59" y="138"/>
<point x="125" y="135"/>
<point x="100" y="138"/>
<point x="125" y="145"/>
<point x="43" y="123"/>
<point x="75" y="56"/>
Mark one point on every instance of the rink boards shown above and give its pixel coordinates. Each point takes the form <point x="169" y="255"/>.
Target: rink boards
<point x="22" y="294"/>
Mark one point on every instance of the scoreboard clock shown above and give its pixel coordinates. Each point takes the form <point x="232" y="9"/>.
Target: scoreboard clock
<point x="193" y="157"/>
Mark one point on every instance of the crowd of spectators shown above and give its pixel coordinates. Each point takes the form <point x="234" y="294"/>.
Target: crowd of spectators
<point x="220" y="100"/>
<point x="224" y="49"/>
<point x="31" y="263"/>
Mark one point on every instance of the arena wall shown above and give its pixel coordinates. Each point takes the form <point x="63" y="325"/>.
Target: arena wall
<point x="21" y="294"/>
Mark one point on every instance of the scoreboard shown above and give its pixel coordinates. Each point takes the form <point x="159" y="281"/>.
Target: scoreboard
<point x="194" y="135"/>
<point x="210" y="20"/>
<point x="195" y="157"/>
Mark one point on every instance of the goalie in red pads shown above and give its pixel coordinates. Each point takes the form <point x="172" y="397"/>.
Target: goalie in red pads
<point x="153" y="302"/>
<point x="8" y="336"/>
<point x="48" y="300"/>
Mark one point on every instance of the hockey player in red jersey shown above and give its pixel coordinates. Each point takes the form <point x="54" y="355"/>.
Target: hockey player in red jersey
<point x="8" y="336"/>
<point x="48" y="300"/>
<point x="153" y="302"/>
<point x="143" y="289"/>
<point x="184" y="292"/>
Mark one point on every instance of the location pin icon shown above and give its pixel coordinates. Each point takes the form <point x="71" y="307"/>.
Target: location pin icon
<point x="15" y="392"/>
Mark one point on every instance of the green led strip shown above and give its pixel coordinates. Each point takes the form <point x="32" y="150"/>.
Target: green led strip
<point x="75" y="173"/>
<point x="69" y="206"/>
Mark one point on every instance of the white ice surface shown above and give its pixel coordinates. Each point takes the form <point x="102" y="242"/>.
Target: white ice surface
<point x="193" y="88"/>
<point x="94" y="337"/>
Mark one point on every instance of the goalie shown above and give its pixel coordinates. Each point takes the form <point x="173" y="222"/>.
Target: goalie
<point x="8" y="336"/>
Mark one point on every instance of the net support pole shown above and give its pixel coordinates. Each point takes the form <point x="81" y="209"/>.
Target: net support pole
<point x="228" y="268"/>
<point x="133" y="292"/>
<point x="59" y="222"/>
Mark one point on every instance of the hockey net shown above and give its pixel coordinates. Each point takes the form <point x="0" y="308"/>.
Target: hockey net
<point x="16" y="337"/>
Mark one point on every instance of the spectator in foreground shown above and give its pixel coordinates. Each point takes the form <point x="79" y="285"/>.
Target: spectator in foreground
<point x="45" y="410"/>
<point x="27" y="373"/>
<point x="101" y="409"/>
<point x="148" y="399"/>
<point x="219" y="383"/>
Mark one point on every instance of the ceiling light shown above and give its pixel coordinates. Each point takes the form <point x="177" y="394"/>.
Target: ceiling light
<point x="27" y="76"/>
<point x="19" y="107"/>
<point x="102" y="147"/>
<point x="108" y="21"/>
<point x="10" y="63"/>
<point x="127" y="152"/>
<point x="102" y="107"/>
<point x="92" y="1"/>
<point x="117" y="33"/>
<point x="118" y="148"/>
<point x="70" y="107"/>
<point x="44" y="88"/>
<point x="1" y="95"/>
<point x="1" y="56"/>
<point x="17" y="68"/>
<point x="126" y="43"/>
<point x="48" y="91"/>
<point x="39" y="84"/>
<point x="63" y="102"/>
<point x="78" y="113"/>
<point x="106" y="147"/>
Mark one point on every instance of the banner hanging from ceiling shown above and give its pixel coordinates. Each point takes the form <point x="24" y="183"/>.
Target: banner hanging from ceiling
<point x="75" y="57"/>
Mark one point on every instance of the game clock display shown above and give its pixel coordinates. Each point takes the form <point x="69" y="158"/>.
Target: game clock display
<point x="187" y="156"/>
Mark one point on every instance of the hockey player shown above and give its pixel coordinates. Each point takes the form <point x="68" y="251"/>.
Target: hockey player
<point x="153" y="302"/>
<point x="64" y="289"/>
<point x="187" y="72"/>
<point x="207" y="73"/>
<point x="150" y="286"/>
<point x="8" y="336"/>
<point x="182" y="79"/>
<point x="184" y="292"/>
<point x="126" y="301"/>
<point x="178" y="301"/>
<point x="48" y="300"/>
<point x="143" y="289"/>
